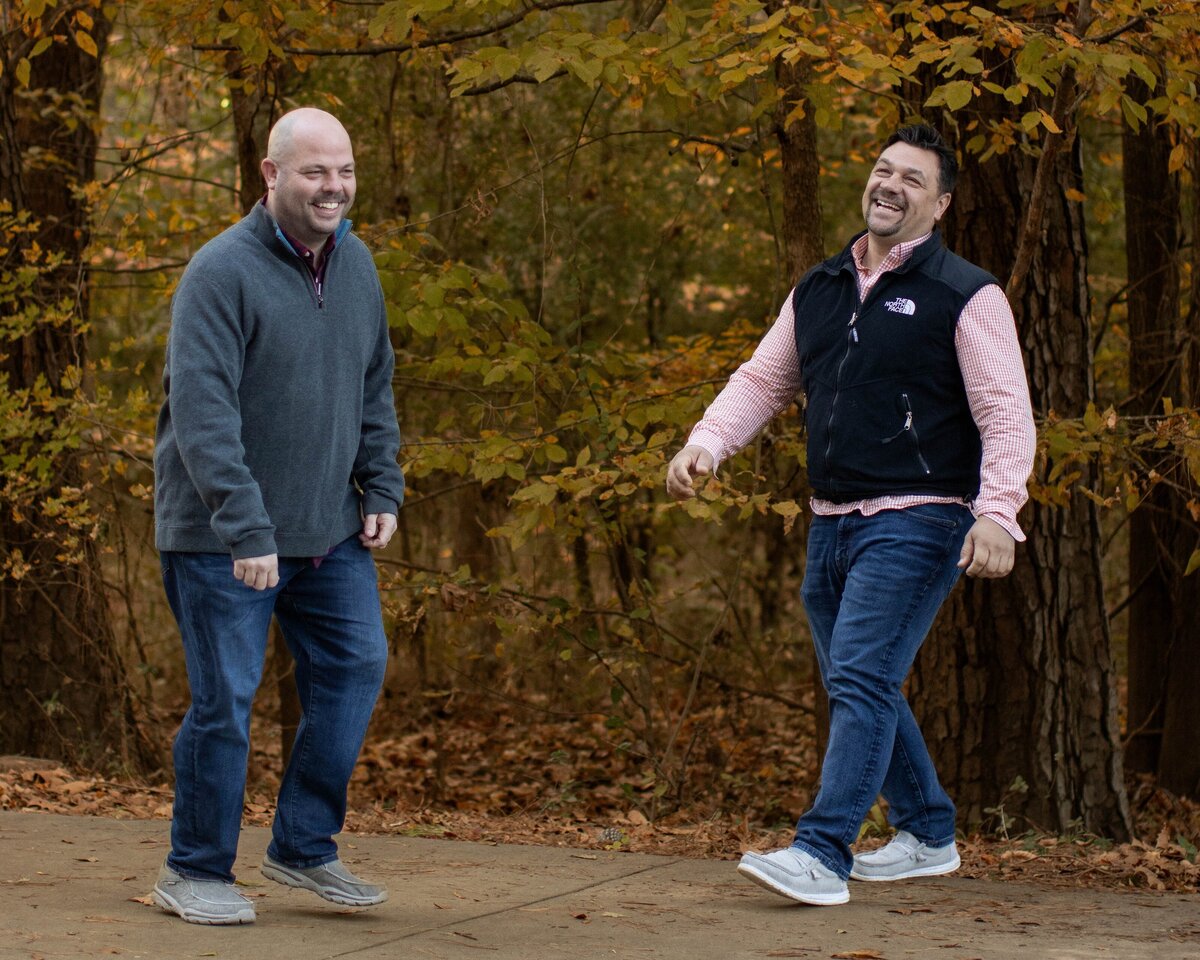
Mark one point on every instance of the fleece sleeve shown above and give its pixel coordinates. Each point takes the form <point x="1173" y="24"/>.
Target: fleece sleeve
<point x="205" y="356"/>
<point x="376" y="471"/>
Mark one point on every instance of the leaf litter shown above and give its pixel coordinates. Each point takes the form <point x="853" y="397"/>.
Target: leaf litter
<point x="487" y="779"/>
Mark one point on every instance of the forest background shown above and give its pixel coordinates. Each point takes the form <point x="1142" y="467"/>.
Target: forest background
<point x="585" y="213"/>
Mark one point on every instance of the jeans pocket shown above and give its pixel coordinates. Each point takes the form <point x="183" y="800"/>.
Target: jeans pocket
<point x="947" y="516"/>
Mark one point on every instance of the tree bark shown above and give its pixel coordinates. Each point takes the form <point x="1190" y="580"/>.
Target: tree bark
<point x="63" y="687"/>
<point x="804" y="247"/>
<point x="1179" y="755"/>
<point x="1015" y="687"/>
<point x="1152" y="239"/>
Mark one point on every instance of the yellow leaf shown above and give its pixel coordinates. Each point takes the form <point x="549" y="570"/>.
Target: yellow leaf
<point x="1048" y="122"/>
<point x="86" y="43"/>
<point x="84" y="19"/>
<point x="1175" y="163"/>
<point x="1193" y="563"/>
<point x="23" y="72"/>
<point x="1075" y="196"/>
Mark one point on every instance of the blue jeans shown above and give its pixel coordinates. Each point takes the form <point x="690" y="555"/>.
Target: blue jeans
<point x="872" y="588"/>
<point x="331" y="619"/>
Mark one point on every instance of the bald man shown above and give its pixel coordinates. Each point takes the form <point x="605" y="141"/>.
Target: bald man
<point x="275" y="477"/>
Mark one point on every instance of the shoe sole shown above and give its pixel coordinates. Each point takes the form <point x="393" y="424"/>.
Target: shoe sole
<point x="767" y="882"/>
<point x="939" y="870"/>
<point x="281" y="874"/>
<point x="245" y="915"/>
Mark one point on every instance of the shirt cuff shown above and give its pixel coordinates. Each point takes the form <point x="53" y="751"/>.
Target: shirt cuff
<point x="708" y="441"/>
<point x="1008" y="523"/>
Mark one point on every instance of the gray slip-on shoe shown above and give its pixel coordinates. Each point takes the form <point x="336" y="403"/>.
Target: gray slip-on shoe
<point x="795" y="874"/>
<point x="906" y="857"/>
<point x="213" y="902"/>
<point x="331" y="881"/>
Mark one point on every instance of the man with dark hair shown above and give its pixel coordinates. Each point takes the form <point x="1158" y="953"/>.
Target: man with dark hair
<point x="926" y="138"/>
<point x="275" y="477"/>
<point x="920" y="442"/>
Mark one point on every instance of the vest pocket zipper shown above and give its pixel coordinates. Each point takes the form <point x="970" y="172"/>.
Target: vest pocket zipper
<point x="910" y="428"/>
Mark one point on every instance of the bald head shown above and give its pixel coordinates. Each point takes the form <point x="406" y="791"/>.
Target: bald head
<point x="309" y="170"/>
<point x="294" y="129"/>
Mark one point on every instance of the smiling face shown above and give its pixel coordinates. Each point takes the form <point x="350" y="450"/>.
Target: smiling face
<point x="309" y="170"/>
<point x="903" y="198"/>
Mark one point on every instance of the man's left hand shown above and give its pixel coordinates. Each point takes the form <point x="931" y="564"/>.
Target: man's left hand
<point x="377" y="530"/>
<point x="989" y="550"/>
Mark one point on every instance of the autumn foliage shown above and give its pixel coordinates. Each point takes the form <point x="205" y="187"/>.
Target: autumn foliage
<point x="578" y="214"/>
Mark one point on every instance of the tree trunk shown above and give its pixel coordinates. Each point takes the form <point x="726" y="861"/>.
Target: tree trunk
<point x="1152" y="235"/>
<point x="63" y="687"/>
<point x="1015" y="686"/>
<point x="803" y="233"/>
<point x="1179" y="756"/>
<point x="255" y="110"/>
<point x="804" y="247"/>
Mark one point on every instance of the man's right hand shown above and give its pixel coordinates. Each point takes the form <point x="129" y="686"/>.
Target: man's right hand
<point x="692" y="461"/>
<point x="261" y="573"/>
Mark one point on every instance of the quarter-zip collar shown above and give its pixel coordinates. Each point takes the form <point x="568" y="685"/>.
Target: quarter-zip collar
<point x="314" y="270"/>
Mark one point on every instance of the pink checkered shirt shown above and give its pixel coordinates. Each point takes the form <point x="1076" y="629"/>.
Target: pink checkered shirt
<point x="997" y="391"/>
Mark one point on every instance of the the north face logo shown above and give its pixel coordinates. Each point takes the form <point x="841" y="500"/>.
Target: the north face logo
<point x="902" y="305"/>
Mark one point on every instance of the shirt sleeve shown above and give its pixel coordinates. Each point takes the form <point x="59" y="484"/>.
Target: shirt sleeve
<point x="759" y="389"/>
<point x="989" y="356"/>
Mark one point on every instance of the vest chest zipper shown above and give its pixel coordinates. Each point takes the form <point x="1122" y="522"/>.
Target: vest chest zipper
<point x="851" y="338"/>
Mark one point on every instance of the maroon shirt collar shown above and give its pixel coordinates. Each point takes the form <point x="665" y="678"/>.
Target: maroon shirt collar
<point x="315" y="266"/>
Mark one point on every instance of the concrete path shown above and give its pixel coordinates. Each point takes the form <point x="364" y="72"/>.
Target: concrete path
<point x="74" y="887"/>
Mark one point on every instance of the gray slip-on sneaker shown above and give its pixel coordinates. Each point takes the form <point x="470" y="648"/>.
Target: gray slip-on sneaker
<point x="795" y="874"/>
<point x="213" y="902"/>
<point x="331" y="881"/>
<point x="906" y="857"/>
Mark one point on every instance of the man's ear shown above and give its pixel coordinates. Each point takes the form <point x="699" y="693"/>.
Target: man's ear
<point x="943" y="202"/>
<point x="270" y="172"/>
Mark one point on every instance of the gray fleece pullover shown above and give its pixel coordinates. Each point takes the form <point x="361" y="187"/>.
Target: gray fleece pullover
<point x="278" y="431"/>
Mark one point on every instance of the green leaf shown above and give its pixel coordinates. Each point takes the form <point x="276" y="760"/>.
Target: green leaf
<point x="424" y="322"/>
<point x="954" y="95"/>
<point x="676" y="19"/>
<point x="506" y="65"/>
<point x="587" y="71"/>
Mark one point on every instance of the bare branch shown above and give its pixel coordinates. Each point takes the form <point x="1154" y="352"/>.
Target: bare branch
<point x="1113" y="34"/>
<point x="515" y="78"/>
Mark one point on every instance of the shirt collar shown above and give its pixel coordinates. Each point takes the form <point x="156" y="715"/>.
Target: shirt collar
<point x="303" y="252"/>
<point x="896" y="256"/>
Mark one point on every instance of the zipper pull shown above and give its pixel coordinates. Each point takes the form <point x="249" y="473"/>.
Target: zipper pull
<point x="853" y="321"/>
<point x="320" y="296"/>
<point x="908" y="421"/>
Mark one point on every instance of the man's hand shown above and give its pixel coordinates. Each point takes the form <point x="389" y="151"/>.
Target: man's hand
<point x="261" y="573"/>
<point x="377" y="530"/>
<point x="691" y="461"/>
<point x="988" y="551"/>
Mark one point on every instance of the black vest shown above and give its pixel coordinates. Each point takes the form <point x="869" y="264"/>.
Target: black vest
<point x="886" y="410"/>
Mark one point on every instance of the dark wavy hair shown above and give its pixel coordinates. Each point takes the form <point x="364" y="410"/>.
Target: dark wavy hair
<point x="927" y="138"/>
